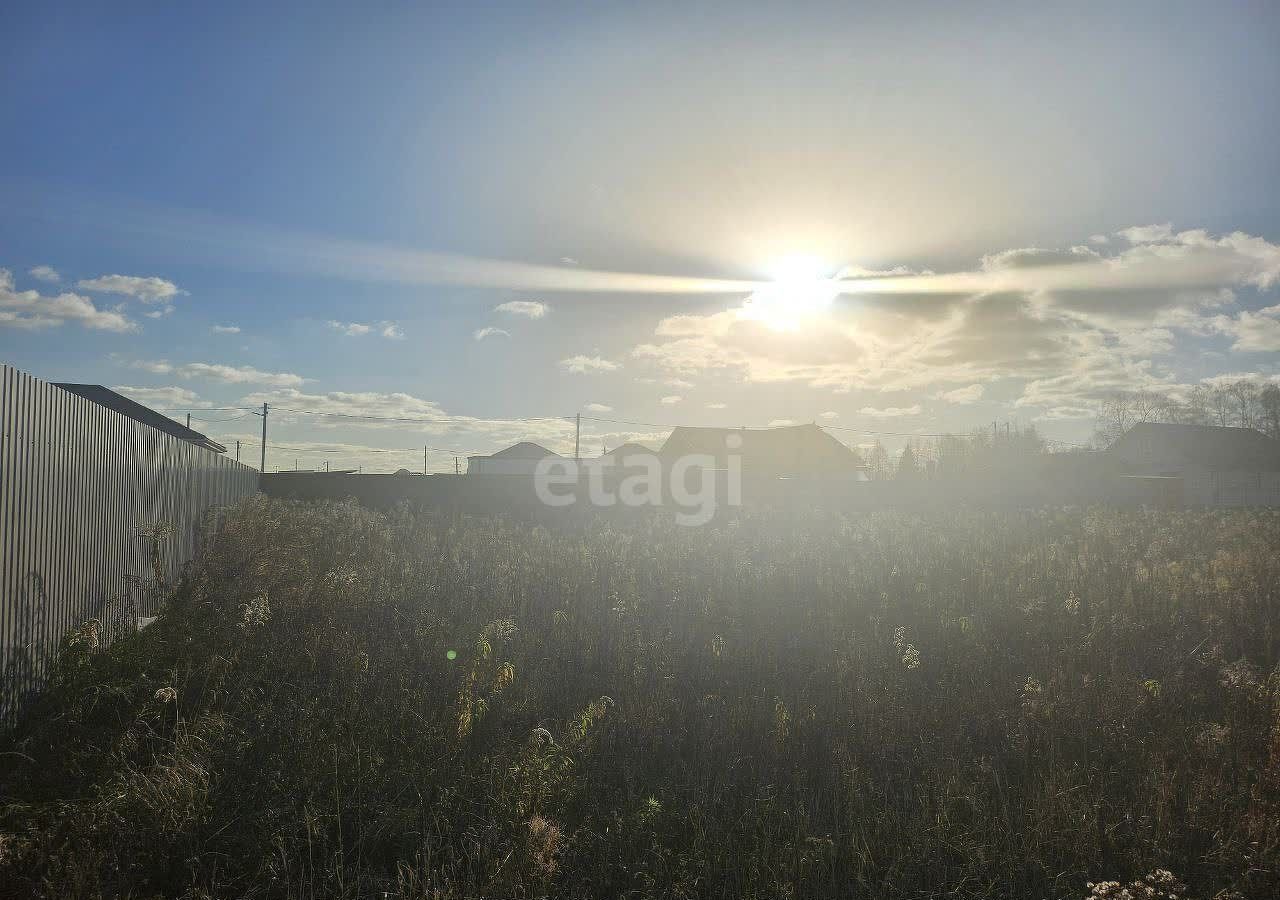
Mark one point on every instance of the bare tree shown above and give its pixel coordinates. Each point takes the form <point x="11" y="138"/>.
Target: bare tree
<point x="1195" y="409"/>
<point x="1269" y="410"/>
<point x="907" y="467"/>
<point x="1244" y="397"/>
<point x="878" y="462"/>
<point x="1220" y="406"/>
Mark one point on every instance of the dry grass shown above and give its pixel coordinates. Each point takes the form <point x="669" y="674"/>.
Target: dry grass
<point x="338" y="703"/>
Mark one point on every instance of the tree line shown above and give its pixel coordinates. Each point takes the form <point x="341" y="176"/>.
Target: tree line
<point x="1244" y="403"/>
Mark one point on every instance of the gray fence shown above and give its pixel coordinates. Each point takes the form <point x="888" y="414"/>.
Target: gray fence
<point x="95" y="508"/>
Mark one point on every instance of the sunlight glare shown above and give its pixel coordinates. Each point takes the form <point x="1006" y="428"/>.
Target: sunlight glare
<point x="801" y="292"/>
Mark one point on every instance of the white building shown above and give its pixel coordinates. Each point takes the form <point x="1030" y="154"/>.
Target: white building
<point x="521" y="459"/>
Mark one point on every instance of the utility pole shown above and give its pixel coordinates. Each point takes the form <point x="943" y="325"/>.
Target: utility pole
<point x="263" y="466"/>
<point x="577" y="435"/>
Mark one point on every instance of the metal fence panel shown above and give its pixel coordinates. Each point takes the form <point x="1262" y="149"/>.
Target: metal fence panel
<point x="84" y="490"/>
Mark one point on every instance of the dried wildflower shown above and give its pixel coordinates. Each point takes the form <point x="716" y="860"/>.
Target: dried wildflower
<point x="911" y="657"/>
<point x="1072" y="603"/>
<point x="544" y="844"/>
<point x="501" y="630"/>
<point x="1161" y="884"/>
<point x="900" y="637"/>
<point x="1212" y="736"/>
<point x="256" y="612"/>
<point x="166" y="695"/>
<point x="342" y="577"/>
<point x="1240" y="675"/>
<point x="1032" y="688"/>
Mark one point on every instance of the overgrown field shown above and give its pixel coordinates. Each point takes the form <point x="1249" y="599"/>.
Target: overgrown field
<point x="338" y="703"/>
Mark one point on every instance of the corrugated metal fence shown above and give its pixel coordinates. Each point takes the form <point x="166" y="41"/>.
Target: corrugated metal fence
<point x="93" y="506"/>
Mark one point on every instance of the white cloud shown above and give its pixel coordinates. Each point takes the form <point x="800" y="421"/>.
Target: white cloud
<point x="671" y="400"/>
<point x="1099" y="239"/>
<point x="890" y="412"/>
<point x="581" y="364"/>
<point x="1147" y="234"/>
<point x="45" y="273"/>
<point x="226" y="329"/>
<point x="350" y="329"/>
<point x="781" y="423"/>
<point x="1066" y="323"/>
<point x="414" y="417"/>
<point x="154" y="366"/>
<point x="162" y="397"/>
<point x="481" y="333"/>
<point x="530" y="309"/>
<point x="31" y="311"/>
<point x="214" y="371"/>
<point x="148" y="290"/>
<point x="829" y="415"/>
<point x="717" y="406"/>
<point x="359" y="329"/>
<point x="238" y="374"/>
<point x="964" y="395"/>
<point x="166" y="310"/>
<point x="1253" y="332"/>
<point x="597" y="407"/>
<point x="1030" y="257"/>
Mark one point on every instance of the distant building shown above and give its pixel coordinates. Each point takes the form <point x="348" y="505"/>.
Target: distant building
<point x="521" y="459"/>
<point x="111" y="400"/>
<point x="1198" y="465"/>
<point x="631" y="448"/>
<point x="793" y="451"/>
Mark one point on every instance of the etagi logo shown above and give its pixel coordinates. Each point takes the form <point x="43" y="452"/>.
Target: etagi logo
<point x="695" y="483"/>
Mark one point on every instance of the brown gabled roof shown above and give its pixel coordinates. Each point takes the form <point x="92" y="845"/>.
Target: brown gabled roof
<point x="789" y="450"/>
<point x="104" y="396"/>
<point x="1212" y="446"/>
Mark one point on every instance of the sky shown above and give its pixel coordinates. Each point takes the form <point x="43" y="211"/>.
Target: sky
<point x="898" y="218"/>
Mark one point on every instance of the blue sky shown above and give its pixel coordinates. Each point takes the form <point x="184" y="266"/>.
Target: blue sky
<point x="414" y="171"/>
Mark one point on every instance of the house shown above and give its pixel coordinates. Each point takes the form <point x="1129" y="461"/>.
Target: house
<point x="1199" y="465"/>
<point x="793" y="451"/>
<point x="627" y="450"/>
<point x="119" y="403"/>
<point x="520" y="459"/>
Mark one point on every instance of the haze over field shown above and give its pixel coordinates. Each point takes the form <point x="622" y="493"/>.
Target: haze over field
<point x="907" y="223"/>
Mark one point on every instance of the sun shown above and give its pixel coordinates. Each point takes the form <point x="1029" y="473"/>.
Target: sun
<point x="800" y="295"/>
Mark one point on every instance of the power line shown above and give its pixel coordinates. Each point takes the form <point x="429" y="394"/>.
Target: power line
<point x="435" y="421"/>
<point x="204" y="408"/>
<point x="763" y="427"/>
<point x="216" y="421"/>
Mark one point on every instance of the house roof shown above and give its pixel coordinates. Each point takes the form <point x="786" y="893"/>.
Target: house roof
<point x="793" y="449"/>
<point x="630" y="448"/>
<point x="522" y="450"/>
<point x="1212" y="446"/>
<point x="104" y="396"/>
